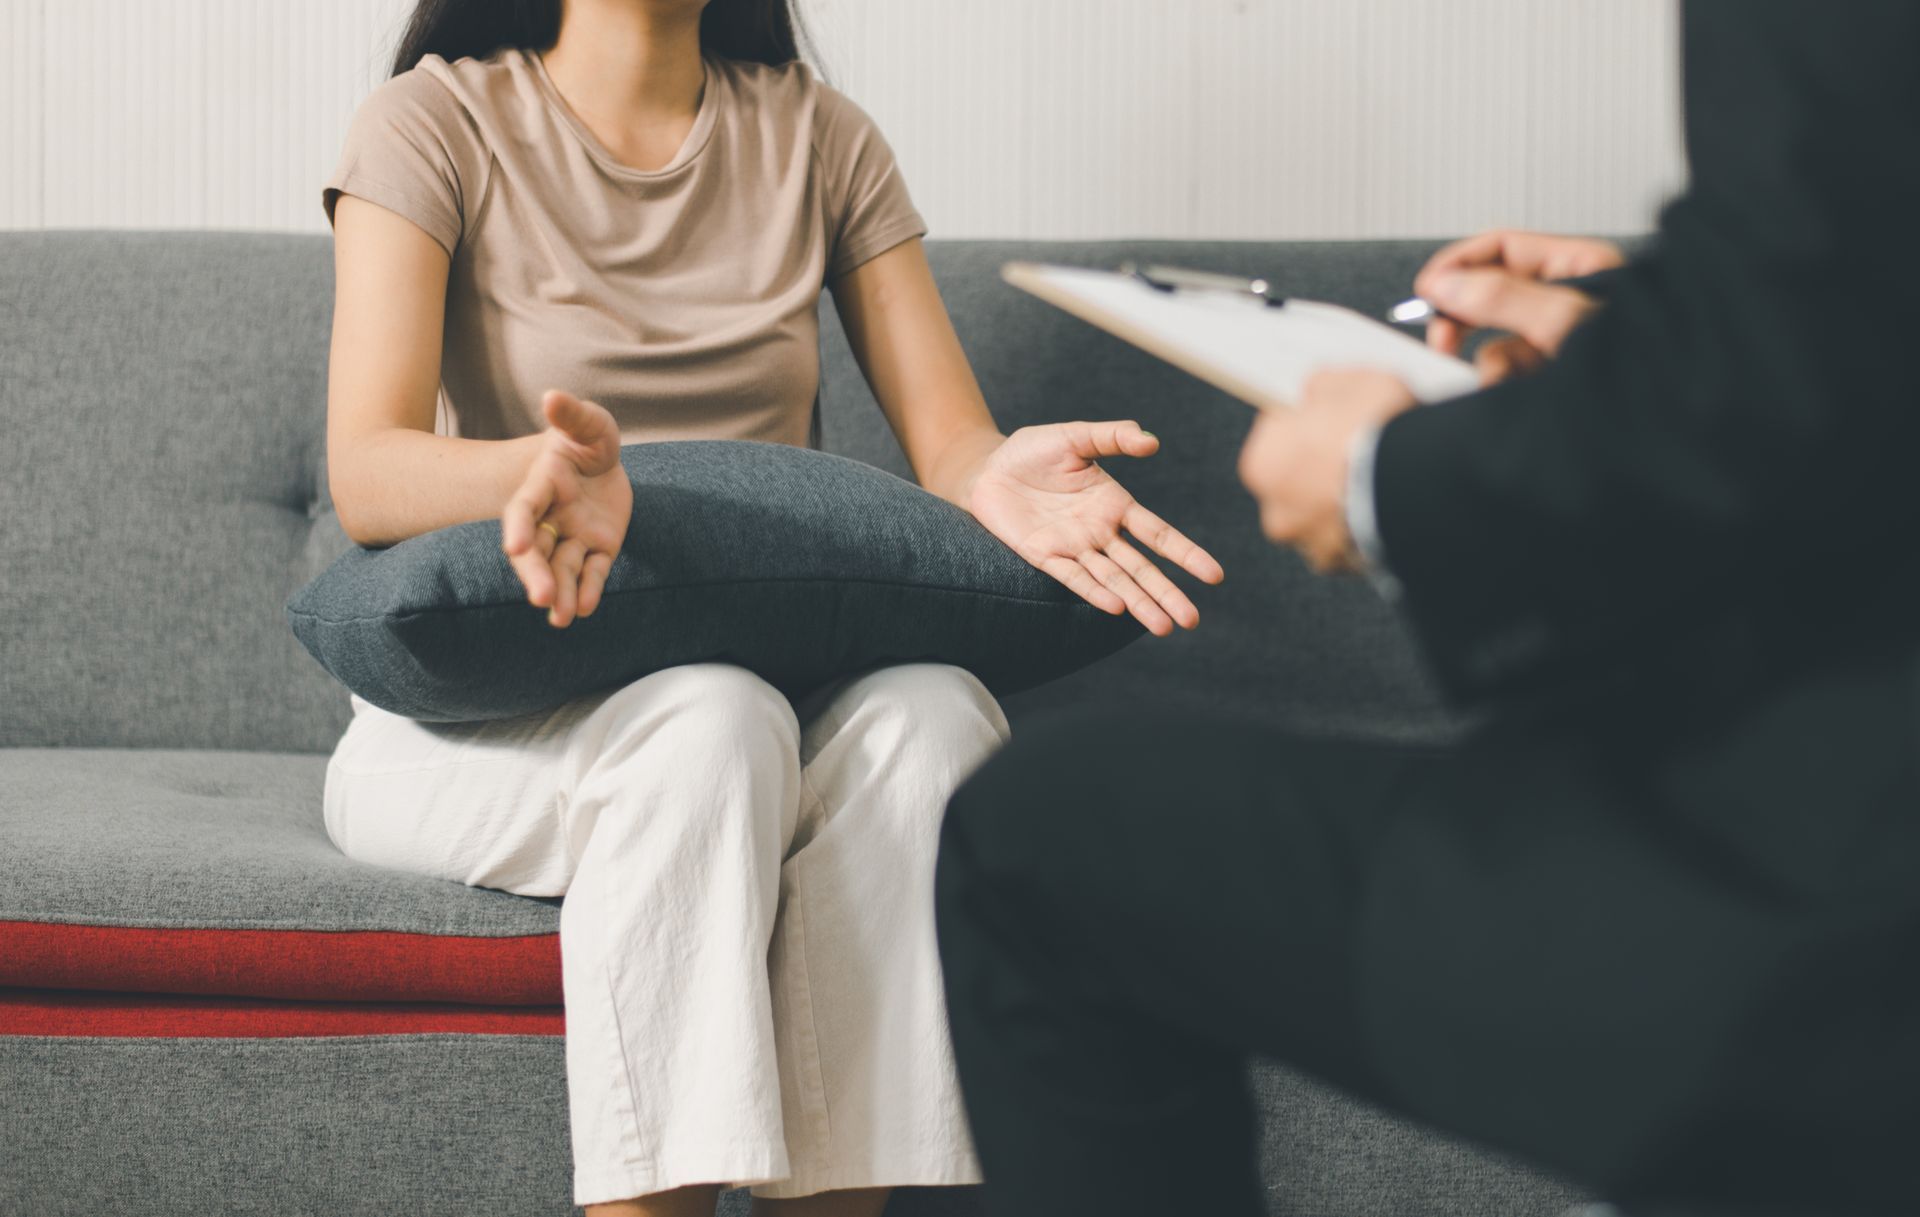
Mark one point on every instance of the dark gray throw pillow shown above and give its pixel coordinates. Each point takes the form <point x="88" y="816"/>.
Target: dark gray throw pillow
<point x="796" y="564"/>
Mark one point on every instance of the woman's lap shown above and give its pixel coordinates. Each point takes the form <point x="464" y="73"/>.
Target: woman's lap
<point x="483" y="803"/>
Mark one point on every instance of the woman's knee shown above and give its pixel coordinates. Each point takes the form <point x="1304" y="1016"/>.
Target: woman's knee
<point x="939" y="705"/>
<point x="706" y="728"/>
<point x="705" y="707"/>
<point x="698" y="753"/>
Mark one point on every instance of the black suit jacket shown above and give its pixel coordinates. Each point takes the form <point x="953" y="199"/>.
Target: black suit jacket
<point x="1689" y="548"/>
<point x="1716" y="483"/>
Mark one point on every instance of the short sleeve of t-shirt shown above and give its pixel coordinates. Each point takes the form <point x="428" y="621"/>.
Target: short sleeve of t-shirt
<point x="412" y="149"/>
<point x="869" y="208"/>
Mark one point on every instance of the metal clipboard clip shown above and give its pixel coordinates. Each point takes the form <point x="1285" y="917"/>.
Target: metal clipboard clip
<point x="1172" y="279"/>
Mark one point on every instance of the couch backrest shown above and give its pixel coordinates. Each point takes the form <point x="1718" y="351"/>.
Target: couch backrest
<point x="162" y="488"/>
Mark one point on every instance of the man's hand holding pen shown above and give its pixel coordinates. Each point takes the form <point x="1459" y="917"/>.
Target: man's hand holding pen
<point x="1295" y="462"/>
<point x="1512" y="281"/>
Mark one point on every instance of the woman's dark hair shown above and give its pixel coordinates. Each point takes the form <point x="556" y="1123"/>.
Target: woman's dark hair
<point x="758" y="31"/>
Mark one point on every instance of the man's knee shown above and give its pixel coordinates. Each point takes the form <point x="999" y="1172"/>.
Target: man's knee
<point x="1015" y="830"/>
<point x="1026" y="793"/>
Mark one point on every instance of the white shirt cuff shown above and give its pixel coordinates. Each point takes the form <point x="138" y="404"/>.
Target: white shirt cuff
<point x="1362" y="525"/>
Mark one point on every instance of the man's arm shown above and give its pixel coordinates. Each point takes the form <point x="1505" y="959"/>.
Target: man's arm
<point x="1739" y="424"/>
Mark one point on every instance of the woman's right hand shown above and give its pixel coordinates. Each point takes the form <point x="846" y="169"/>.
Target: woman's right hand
<point x="565" y="524"/>
<point x="1502" y="280"/>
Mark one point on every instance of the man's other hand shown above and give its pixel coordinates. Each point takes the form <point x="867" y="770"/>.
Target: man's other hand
<point x="1295" y="461"/>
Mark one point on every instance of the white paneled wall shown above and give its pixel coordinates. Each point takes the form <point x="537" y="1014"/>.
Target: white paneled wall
<point x="180" y="113"/>
<point x="1068" y="118"/>
<point x="1269" y="118"/>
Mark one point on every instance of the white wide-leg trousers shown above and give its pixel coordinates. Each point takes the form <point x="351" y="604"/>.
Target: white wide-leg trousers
<point x="752" y="987"/>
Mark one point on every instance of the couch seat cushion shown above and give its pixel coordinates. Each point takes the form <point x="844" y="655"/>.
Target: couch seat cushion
<point x="211" y="873"/>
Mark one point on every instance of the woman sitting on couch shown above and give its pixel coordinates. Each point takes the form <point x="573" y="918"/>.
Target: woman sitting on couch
<point x="561" y="227"/>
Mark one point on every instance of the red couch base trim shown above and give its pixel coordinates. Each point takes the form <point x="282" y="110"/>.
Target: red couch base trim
<point x="304" y="965"/>
<point x="53" y="1012"/>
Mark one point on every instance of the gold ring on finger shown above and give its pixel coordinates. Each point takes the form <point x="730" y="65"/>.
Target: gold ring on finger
<point x="548" y="525"/>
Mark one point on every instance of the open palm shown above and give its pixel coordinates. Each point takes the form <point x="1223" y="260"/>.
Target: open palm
<point x="1042" y="493"/>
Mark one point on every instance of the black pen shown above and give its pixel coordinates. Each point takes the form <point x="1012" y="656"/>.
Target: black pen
<point x="1418" y="312"/>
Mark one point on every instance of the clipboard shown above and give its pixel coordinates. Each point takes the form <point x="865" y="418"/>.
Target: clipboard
<point x="1257" y="348"/>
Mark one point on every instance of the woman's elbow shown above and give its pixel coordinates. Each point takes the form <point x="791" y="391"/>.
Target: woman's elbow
<point x="357" y="529"/>
<point x="348" y="502"/>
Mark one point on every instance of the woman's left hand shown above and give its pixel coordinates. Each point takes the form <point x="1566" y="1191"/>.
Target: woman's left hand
<point x="1041" y="493"/>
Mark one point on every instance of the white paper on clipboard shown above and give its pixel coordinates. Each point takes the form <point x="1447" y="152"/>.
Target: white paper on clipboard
<point x="1258" y="354"/>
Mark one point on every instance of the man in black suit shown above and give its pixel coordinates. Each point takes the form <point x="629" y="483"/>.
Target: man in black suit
<point x="1657" y="927"/>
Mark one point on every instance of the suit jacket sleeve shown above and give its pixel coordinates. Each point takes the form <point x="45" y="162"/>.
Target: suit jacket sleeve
<point x="1739" y="426"/>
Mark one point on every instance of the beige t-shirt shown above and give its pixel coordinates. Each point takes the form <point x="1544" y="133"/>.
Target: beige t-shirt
<point x="683" y="300"/>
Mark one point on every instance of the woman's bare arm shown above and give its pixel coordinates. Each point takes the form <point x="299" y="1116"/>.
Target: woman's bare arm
<point x="391" y="477"/>
<point x="901" y="335"/>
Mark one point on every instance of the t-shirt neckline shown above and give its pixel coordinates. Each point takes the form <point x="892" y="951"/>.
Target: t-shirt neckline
<point x="696" y="141"/>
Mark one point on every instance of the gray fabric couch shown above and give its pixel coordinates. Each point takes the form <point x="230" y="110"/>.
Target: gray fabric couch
<point x="162" y="737"/>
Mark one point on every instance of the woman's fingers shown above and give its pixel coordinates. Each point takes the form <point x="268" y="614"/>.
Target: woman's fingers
<point x="1154" y="582"/>
<point x="1091" y="441"/>
<point x="559" y="408"/>
<point x="593" y="581"/>
<point x="1172" y="544"/>
<point x="563" y="577"/>
<point x="566" y="563"/>
<point x="534" y="563"/>
<point x="522" y="513"/>
<point x="1081" y="583"/>
<point x="1144" y="608"/>
<point x="577" y="418"/>
<point x="592" y="437"/>
<point x="535" y="575"/>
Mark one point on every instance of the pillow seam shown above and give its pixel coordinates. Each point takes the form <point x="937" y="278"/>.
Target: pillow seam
<point x="406" y="614"/>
